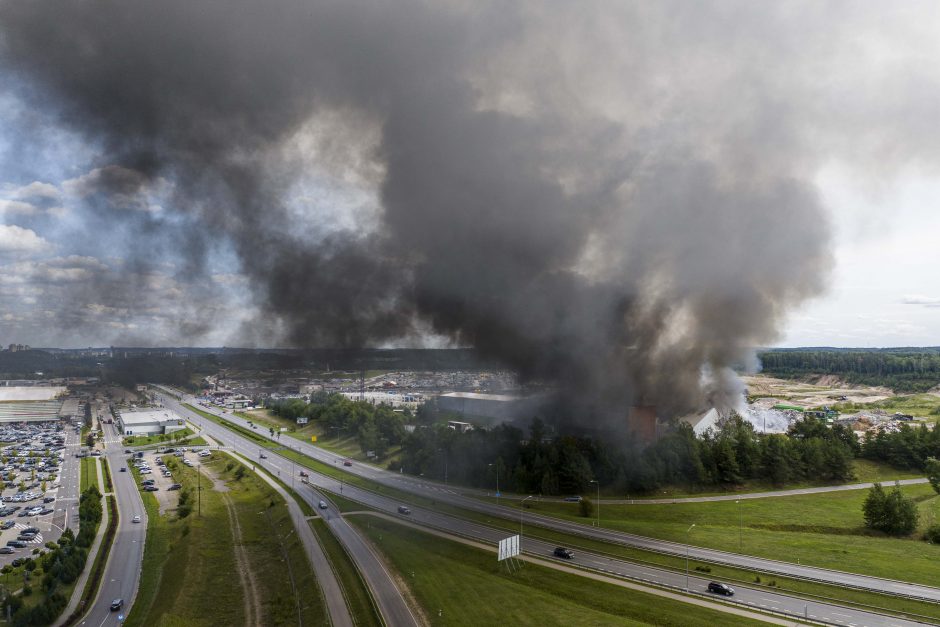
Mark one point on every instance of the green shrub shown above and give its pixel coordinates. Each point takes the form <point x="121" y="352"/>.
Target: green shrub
<point x="932" y="535"/>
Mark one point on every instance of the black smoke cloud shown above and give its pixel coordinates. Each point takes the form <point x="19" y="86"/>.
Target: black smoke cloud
<point x="623" y="247"/>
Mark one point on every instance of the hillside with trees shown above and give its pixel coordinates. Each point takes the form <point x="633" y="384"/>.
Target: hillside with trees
<point x="904" y="370"/>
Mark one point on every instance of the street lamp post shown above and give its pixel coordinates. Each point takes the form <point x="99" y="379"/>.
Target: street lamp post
<point x="521" y="514"/>
<point x="740" y="527"/>
<point x="497" y="482"/>
<point x="598" y="501"/>
<point x="688" y="536"/>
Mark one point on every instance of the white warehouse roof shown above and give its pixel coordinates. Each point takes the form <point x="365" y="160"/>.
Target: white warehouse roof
<point x="148" y="416"/>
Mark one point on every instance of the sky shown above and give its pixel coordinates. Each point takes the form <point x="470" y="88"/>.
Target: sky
<point x="837" y="100"/>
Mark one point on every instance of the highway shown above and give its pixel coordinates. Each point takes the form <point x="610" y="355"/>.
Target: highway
<point x="388" y="597"/>
<point x="122" y="573"/>
<point x="753" y="598"/>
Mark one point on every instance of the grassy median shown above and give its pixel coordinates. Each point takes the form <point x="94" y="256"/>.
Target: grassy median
<point x="456" y="584"/>
<point x="192" y="564"/>
<point x="89" y="474"/>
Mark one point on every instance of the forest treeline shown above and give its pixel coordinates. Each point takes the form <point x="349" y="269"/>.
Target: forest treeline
<point x="538" y="462"/>
<point x="902" y="370"/>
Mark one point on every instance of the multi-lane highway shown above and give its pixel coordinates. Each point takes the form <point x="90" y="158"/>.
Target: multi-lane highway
<point x="122" y="574"/>
<point x="749" y="597"/>
<point x="388" y="597"/>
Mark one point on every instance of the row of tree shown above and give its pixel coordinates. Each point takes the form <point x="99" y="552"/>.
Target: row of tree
<point x="568" y="465"/>
<point x="908" y="448"/>
<point x="903" y="370"/>
<point x="377" y="427"/>
<point x="59" y="567"/>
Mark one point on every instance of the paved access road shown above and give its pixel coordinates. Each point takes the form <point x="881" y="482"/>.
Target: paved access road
<point x="388" y="597"/>
<point x="122" y="573"/>
<point x="749" y="597"/>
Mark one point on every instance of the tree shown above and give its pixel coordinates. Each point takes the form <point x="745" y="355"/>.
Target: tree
<point x="932" y="467"/>
<point x="586" y="508"/>
<point x="892" y="513"/>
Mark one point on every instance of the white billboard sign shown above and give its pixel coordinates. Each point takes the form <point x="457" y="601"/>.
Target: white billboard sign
<point x="508" y="547"/>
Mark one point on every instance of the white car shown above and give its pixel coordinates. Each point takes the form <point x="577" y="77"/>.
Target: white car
<point x="204" y="453"/>
<point x="145" y="472"/>
<point x="136" y="518"/>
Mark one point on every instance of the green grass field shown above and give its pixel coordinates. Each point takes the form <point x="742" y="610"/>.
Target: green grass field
<point x="434" y="568"/>
<point x="89" y="474"/>
<point x="824" y="530"/>
<point x="190" y="570"/>
<point x="355" y="591"/>
<point x="923" y="405"/>
<point x="894" y="604"/>
<point x="140" y="440"/>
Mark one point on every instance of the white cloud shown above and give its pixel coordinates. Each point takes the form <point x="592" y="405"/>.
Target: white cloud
<point x="17" y="207"/>
<point x="37" y="189"/>
<point x="16" y="239"/>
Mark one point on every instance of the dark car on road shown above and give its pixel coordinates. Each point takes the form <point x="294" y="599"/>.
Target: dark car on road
<point x="46" y="510"/>
<point x="563" y="553"/>
<point x="721" y="588"/>
<point x="175" y="486"/>
<point x="117" y="604"/>
<point x="48" y="499"/>
<point x="19" y="544"/>
<point x="7" y="524"/>
<point x="347" y="462"/>
<point x="403" y="510"/>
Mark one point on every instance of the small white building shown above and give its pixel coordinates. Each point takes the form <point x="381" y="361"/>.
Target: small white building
<point x="149" y="422"/>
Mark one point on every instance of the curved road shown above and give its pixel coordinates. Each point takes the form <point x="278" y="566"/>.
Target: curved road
<point x="392" y="605"/>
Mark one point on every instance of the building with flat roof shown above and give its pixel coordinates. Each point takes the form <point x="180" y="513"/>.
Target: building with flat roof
<point x="149" y="422"/>
<point x="495" y="407"/>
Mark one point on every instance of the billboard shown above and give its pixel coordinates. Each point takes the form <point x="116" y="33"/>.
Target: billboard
<point x="508" y="547"/>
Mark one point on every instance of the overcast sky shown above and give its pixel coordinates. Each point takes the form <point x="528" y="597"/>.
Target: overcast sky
<point x="841" y="99"/>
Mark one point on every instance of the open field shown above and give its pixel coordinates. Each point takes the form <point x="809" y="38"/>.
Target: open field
<point x="358" y="599"/>
<point x="918" y="405"/>
<point x="192" y="565"/>
<point x="824" y="391"/>
<point x="434" y="568"/>
<point x="824" y="530"/>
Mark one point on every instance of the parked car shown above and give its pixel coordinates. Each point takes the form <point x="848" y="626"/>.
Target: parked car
<point x="403" y="510"/>
<point x="46" y="510"/>
<point x="150" y="488"/>
<point x="720" y="588"/>
<point x="7" y="550"/>
<point x="563" y="553"/>
<point x="7" y="524"/>
<point x="19" y="544"/>
<point x="175" y="486"/>
<point x="48" y="499"/>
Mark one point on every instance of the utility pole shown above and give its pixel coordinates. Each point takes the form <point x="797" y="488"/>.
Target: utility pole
<point x="688" y="537"/>
<point x="199" y="489"/>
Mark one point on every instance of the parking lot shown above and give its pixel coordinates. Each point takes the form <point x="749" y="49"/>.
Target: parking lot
<point x="150" y="468"/>
<point x="36" y="456"/>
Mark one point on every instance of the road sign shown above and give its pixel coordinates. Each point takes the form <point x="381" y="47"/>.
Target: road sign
<point x="313" y="438"/>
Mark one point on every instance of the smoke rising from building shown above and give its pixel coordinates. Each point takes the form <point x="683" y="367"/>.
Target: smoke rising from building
<point x="571" y="189"/>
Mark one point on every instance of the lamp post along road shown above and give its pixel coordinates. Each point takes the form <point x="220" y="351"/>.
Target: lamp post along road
<point x="740" y="526"/>
<point x="688" y="535"/>
<point x="521" y="515"/>
<point x="598" y="500"/>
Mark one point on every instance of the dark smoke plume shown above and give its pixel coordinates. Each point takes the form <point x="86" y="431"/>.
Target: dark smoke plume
<point x="624" y="246"/>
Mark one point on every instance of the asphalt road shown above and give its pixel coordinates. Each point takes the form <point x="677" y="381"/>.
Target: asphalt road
<point x="122" y="574"/>
<point x="797" y="607"/>
<point x="388" y="597"/>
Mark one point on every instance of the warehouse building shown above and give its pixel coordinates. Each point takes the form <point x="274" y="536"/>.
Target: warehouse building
<point x="149" y="422"/>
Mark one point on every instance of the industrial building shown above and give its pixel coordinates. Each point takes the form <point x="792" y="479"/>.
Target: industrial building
<point x="30" y="403"/>
<point x="149" y="422"/>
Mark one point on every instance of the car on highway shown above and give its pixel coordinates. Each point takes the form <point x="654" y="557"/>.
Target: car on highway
<point x="720" y="588"/>
<point x="117" y="604"/>
<point x="572" y="499"/>
<point x="322" y="504"/>
<point x="347" y="462"/>
<point x="403" y="510"/>
<point x="563" y="553"/>
<point x="136" y="518"/>
<point x="303" y="474"/>
<point x="263" y="456"/>
<point x="123" y="469"/>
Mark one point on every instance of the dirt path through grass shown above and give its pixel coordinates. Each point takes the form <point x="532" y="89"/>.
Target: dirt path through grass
<point x="252" y="598"/>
